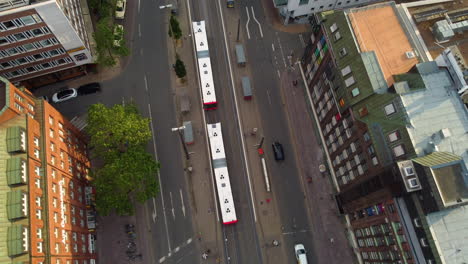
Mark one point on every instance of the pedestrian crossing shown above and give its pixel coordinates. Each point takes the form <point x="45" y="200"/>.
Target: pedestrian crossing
<point x="79" y="122"/>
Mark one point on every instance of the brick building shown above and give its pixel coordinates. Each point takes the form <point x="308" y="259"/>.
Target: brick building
<point x="48" y="38"/>
<point x="363" y="67"/>
<point x="46" y="203"/>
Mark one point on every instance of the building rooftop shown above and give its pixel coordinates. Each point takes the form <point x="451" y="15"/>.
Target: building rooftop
<point x="426" y="14"/>
<point x="448" y="174"/>
<point x="438" y="118"/>
<point x="449" y="228"/>
<point x="377" y="28"/>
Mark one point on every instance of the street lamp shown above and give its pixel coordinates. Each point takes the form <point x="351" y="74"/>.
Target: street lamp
<point x="179" y="129"/>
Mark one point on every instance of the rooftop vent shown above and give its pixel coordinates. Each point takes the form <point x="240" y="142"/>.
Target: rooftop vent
<point x="409" y="54"/>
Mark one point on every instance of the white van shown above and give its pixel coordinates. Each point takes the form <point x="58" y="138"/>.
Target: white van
<point x="300" y="254"/>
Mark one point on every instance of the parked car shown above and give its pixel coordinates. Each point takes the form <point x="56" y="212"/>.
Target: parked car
<point x="300" y="252"/>
<point x="278" y="150"/>
<point x="64" y="95"/>
<point x="118" y="35"/>
<point x="89" y="88"/>
<point x="120" y="9"/>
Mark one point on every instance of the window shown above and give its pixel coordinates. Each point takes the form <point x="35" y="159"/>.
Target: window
<point x="37" y="32"/>
<point x="355" y="92"/>
<point x="39" y="214"/>
<point x="3" y="41"/>
<point x="37" y="182"/>
<point x="349" y="81"/>
<point x="52" y="146"/>
<point x="38" y="56"/>
<point x="337" y="36"/>
<point x="333" y="27"/>
<point x="28" y="20"/>
<point x="371" y="150"/>
<point x="20" y="36"/>
<point x="39" y="233"/>
<point x="52" y="160"/>
<point x="423" y="242"/>
<point x="9" y="24"/>
<point x="55" y="217"/>
<point x="343" y="52"/>
<point x="398" y="151"/>
<point x="389" y="109"/>
<point x="5" y="65"/>
<point x="45" y="42"/>
<point x="36" y="153"/>
<point x="394" y="136"/>
<point x="39" y="247"/>
<point x="54" y="202"/>
<point x="53" y="174"/>
<point x="51" y="133"/>
<point x="303" y="2"/>
<point x="12" y="51"/>
<point x="345" y="71"/>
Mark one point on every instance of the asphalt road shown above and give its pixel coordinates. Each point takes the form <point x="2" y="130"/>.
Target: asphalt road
<point x="268" y="57"/>
<point x="146" y="82"/>
<point x="241" y="239"/>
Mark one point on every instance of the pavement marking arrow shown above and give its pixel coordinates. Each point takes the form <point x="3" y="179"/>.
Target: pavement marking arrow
<point x="172" y="205"/>
<point x="247" y="24"/>
<point x="182" y="199"/>
<point x="155" y="213"/>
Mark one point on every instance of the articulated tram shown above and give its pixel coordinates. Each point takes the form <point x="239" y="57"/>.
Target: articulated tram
<point x="223" y="184"/>
<point x="204" y="66"/>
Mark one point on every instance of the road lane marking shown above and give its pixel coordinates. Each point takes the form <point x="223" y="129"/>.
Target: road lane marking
<point x="138" y="6"/>
<point x="203" y="115"/>
<point x="146" y="83"/>
<point x="155" y="213"/>
<point x="189" y="241"/>
<point x="139" y="30"/>
<point x="247" y="24"/>
<point x="182" y="199"/>
<point x="273" y="46"/>
<point x="258" y="23"/>
<point x="161" y="260"/>
<point x="159" y="178"/>
<point x="278" y="72"/>
<point x="172" y="205"/>
<point x="281" y="50"/>
<point x="244" y="152"/>
<point x="176" y="249"/>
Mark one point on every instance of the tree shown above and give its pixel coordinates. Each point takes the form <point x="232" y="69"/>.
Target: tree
<point x="104" y="37"/>
<point x="174" y="28"/>
<point x="179" y="68"/>
<point x="118" y="137"/>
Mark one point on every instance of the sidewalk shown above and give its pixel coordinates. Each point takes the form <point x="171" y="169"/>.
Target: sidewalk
<point x="328" y="228"/>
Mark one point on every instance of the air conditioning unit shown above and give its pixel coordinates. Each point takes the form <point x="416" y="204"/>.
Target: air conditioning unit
<point x="409" y="54"/>
<point x="413" y="183"/>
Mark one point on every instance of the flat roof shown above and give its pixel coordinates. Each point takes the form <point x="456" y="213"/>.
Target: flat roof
<point x="453" y="9"/>
<point x="438" y="118"/>
<point x="377" y="28"/>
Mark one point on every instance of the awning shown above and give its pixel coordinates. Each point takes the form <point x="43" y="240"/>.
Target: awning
<point x="17" y="240"/>
<point x="16" y="204"/>
<point x="16" y="171"/>
<point x="16" y="139"/>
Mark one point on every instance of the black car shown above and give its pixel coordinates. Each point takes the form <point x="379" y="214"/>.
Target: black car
<point x="278" y="150"/>
<point x="89" y="88"/>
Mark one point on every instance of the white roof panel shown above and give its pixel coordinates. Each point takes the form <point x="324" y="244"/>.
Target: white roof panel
<point x="226" y="201"/>
<point x="201" y="40"/>
<point x="206" y="79"/>
<point x="216" y="141"/>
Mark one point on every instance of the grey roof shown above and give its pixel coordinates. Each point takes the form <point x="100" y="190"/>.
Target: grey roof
<point x="438" y="118"/>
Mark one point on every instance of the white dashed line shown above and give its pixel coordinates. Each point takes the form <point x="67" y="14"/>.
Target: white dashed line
<point x="259" y="26"/>
<point x="161" y="260"/>
<point x="247" y="24"/>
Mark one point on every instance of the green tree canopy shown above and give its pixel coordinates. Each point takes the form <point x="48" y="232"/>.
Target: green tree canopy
<point x="174" y="28"/>
<point x="118" y="137"/>
<point x="179" y="68"/>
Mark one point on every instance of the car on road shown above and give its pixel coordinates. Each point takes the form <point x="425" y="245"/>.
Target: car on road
<point x="64" y="95"/>
<point x="118" y="35"/>
<point x="278" y="151"/>
<point x="89" y="88"/>
<point x="300" y="252"/>
<point x="120" y="9"/>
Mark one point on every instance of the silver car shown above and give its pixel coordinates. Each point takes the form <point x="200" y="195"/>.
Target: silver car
<point x="64" y="95"/>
